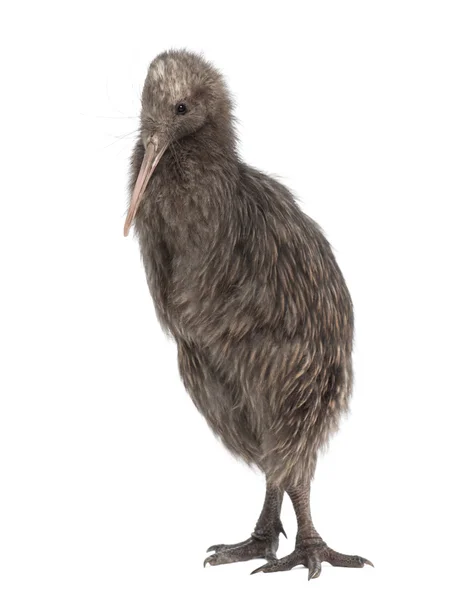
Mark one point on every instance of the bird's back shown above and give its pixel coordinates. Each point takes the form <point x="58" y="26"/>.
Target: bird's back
<point x="290" y="275"/>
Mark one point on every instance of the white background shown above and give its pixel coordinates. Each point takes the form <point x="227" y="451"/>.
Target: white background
<point x="112" y="486"/>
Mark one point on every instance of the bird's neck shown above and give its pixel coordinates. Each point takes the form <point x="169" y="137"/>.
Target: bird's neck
<point x="204" y="168"/>
<point x="195" y="190"/>
<point x="211" y="148"/>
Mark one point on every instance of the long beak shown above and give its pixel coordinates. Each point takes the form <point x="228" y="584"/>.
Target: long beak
<point x="151" y="159"/>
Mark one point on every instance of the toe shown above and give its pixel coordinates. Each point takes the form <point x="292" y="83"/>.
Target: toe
<point x="345" y="560"/>
<point x="248" y="550"/>
<point x="218" y="558"/>
<point x="284" y="564"/>
<point x="216" y="548"/>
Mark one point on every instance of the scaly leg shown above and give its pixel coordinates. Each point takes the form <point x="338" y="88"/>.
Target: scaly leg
<point x="263" y="543"/>
<point x="310" y="549"/>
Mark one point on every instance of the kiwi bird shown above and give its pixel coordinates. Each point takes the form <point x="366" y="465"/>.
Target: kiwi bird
<point x="248" y="287"/>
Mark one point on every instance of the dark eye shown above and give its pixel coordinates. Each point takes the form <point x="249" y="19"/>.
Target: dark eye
<point x="181" y="108"/>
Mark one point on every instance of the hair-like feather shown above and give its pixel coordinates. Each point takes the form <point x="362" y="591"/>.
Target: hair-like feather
<point x="243" y="280"/>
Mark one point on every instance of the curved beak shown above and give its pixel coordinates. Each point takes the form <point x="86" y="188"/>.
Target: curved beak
<point x="153" y="154"/>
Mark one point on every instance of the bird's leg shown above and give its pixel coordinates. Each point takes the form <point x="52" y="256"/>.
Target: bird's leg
<point x="263" y="542"/>
<point x="310" y="550"/>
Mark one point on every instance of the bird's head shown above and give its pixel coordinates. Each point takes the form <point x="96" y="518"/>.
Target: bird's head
<point x="182" y="96"/>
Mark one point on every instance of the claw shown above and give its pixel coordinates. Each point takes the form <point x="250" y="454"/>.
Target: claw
<point x="283" y="531"/>
<point x="314" y="569"/>
<point x="215" y="548"/>
<point x="314" y="574"/>
<point x="260" y="569"/>
<point x="367" y="562"/>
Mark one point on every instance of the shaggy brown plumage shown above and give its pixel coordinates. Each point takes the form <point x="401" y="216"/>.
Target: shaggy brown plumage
<point x="248" y="287"/>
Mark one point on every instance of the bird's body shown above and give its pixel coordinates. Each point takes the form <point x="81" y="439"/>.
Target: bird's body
<point x="249" y="288"/>
<point x="245" y="283"/>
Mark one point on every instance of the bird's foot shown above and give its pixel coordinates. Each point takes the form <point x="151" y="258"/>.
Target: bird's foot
<point x="311" y="553"/>
<point x="255" y="547"/>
